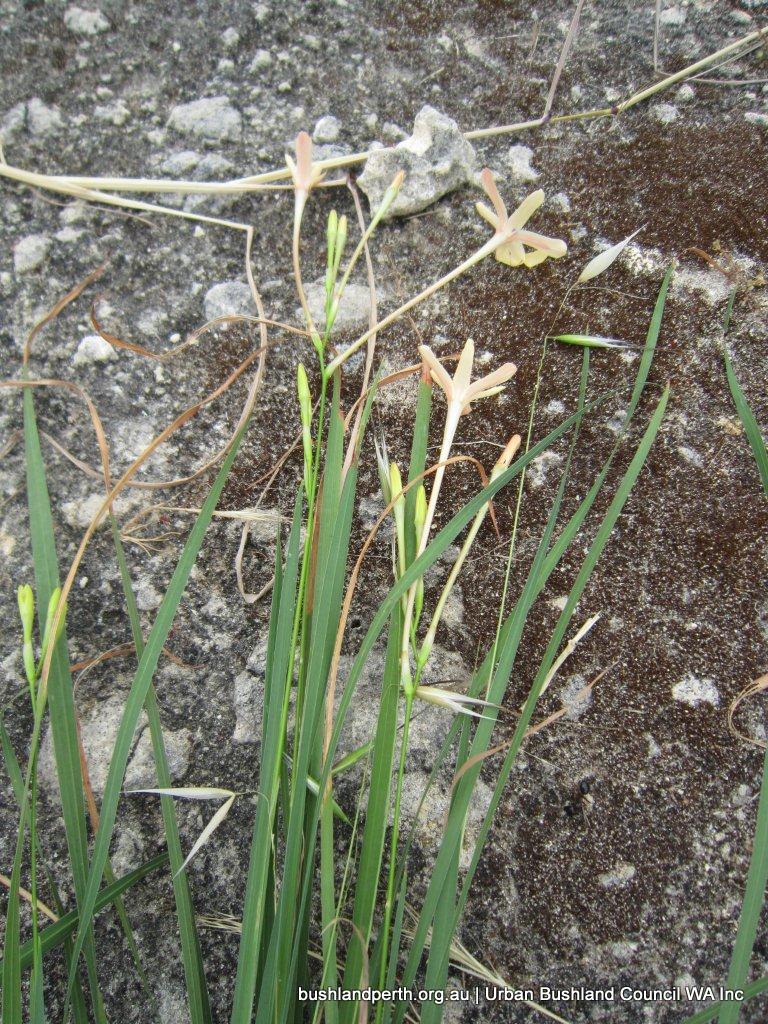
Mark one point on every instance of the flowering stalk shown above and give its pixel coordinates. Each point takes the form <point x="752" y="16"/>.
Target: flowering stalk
<point x="460" y="393"/>
<point x="305" y="176"/>
<point x="426" y="647"/>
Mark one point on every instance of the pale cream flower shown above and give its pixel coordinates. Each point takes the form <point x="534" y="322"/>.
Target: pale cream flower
<point x="510" y="228"/>
<point x="459" y="703"/>
<point x="305" y="174"/>
<point x="459" y="391"/>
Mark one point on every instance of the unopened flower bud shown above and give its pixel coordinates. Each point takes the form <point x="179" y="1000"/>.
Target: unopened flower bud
<point x="26" y="599"/>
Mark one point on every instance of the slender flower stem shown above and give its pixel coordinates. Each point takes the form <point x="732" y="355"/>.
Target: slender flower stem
<point x="468" y="263"/>
<point x="449" y="432"/>
<point x="300" y="203"/>
<point x="429" y="638"/>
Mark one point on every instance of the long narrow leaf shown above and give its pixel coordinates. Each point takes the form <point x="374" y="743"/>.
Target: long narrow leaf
<point x="138" y="694"/>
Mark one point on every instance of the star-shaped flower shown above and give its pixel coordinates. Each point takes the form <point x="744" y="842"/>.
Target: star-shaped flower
<point x="459" y="391"/>
<point x="510" y="228"/>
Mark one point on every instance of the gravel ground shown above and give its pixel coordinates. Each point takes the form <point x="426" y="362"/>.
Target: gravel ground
<point x="641" y="884"/>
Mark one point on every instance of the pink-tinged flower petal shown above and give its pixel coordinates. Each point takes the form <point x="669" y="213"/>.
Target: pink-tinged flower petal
<point x="439" y="372"/>
<point x="304" y="159"/>
<point x="490" y="381"/>
<point x="511" y="253"/>
<point x="553" y="247"/>
<point x="463" y="375"/>
<point x="526" y="209"/>
<point x="487" y="214"/>
<point x="493" y="194"/>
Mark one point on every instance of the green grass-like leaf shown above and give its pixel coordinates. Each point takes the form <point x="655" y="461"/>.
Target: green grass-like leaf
<point x="138" y="695"/>
<point x="757" y="875"/>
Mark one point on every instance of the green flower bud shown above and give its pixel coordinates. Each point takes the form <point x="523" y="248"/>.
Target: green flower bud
<point x="305" y="397"/>
<point x="333" y="225"/>
<point x="305" y="409"/>
<point x="396" y="495"/>
<point x="26" y="598"/>
<point x="53" y="605"/>
<point x="341" y="241"/>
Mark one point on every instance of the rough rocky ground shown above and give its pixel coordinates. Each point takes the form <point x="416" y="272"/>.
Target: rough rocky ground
<point x="644" y="889"/>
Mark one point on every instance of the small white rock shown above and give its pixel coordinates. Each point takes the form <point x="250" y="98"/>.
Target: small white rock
<point x="30" y="253"/>
<point x="694" y="691"/>
<point x="262" y="60"/>
<point x="618" y="876"/>
<point x="112" y="113"/>
<point x="93" y="349"/>
<point x="673" y="16"/>
<point x="665" y="113"/>
<point x="212" y="118"/>
<point x="180" y="163"/>
<point x="79" y="514"/>
<point x="519" y="160"/>
<point x="85" y="22"/>
<point x="228" y="298"/>
<point x="326" y="130"/>
<point x="42" y="119"/>
<point x="230" y="37"/>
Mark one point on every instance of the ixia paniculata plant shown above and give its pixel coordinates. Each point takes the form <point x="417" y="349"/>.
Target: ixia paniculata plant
<point x="321" y="876"/>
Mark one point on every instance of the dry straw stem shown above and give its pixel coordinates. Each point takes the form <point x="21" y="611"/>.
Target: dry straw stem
<point x="27" y="895"/>
<point x="756" y="686"/>
<point x="99" y="189"/>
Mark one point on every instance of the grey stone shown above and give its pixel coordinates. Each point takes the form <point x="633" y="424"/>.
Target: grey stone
<point x="99" y="729"/>
<point x="212" y="118"/>
<point x="180" y="163"/>
<point x="42" y="119"/>
<point x="436" y="159"/>
<point x="30" y="253"/>
<point x="249" y="702"/>
<point x="229" y="298"/>
<point x="327" y="129"/>
<point x="354" y="308"/>
<point x="84" y="22"/>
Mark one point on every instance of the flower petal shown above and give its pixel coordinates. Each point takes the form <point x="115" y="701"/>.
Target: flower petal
<point x="463" y="375"/>
<point x="511" y="253"/>
<point x="486" y="178"/>
<point x="490" y="381"/>
<point x="533" y="259"/>
<point x="554" y="247"/>
<point x="604" y="259"/>
<point x="304" y="158"/>
<point x="526" y="209"/>
<point x="487" y="214"/>
<point x="439" y="373"/>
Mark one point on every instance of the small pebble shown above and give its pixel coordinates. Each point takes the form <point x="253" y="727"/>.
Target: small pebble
<point x="30" y="253"/>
